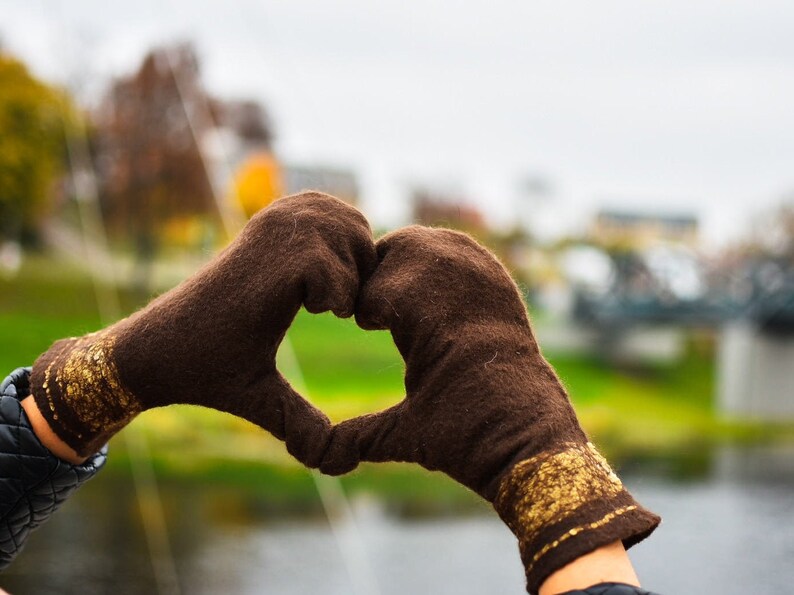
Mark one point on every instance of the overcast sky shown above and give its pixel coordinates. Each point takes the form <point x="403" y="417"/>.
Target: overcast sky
<point x="654" y="105"/>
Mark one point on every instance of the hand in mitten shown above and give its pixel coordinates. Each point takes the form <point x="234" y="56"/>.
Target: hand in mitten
<point x="482" y="404"/>
<point x="212" y="340"/>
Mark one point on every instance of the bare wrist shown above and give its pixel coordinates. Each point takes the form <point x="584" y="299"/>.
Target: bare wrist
<point x="609" y="563"/>
<point x="47" y="436"/>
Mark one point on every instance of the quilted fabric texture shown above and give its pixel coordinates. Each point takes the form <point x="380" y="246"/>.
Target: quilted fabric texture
<point x="33" y="482"/>
<point x="610" y="589"/>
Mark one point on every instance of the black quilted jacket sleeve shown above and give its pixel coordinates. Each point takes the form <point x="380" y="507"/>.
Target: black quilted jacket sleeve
<point x="33" y="482"/>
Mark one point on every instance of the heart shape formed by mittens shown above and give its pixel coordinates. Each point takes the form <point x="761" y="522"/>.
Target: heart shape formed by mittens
<point x="482" y="404"/>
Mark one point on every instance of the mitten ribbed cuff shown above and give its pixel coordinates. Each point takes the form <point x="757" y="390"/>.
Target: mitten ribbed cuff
<point x="564" y="503"/>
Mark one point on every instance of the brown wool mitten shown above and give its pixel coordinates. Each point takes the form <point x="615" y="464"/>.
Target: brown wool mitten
<point x="212" y="340"/>
<point x="482" y="404"/>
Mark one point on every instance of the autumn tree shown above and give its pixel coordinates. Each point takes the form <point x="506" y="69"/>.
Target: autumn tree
<point x="153" y="129"/>
<point x="257" y="183"/>
<point x="149" y="162"/>
<point x="31" y="146"/>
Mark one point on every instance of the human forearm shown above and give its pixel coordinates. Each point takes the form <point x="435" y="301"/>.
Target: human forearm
<point x="609" y="563"/>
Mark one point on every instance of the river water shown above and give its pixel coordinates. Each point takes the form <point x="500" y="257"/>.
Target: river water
<point x="729" y="531"/>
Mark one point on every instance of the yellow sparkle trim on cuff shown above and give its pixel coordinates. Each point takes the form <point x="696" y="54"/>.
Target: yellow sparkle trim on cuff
<point x="606" y="519"/>
<point x="550" y="487"/>
<point x="90" y="387"/>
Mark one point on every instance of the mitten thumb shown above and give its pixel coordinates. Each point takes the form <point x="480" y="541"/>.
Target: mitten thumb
<point x="275" y="406"/>
<point x="376" y="437"/>
<point x="332" y="283"/>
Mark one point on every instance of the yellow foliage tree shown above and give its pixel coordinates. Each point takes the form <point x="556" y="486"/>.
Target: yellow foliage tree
<point x="33" y="120"/>
<point x="257" y="183"/>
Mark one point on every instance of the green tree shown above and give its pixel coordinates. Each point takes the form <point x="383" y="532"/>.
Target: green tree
<point x="31" y="146"/>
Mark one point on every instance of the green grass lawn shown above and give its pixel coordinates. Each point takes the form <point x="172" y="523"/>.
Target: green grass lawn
<point x="347" y="372"/>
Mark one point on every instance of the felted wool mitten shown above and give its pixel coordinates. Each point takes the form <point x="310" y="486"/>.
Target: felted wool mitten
<point x="482" y="404"/>
<point x="212" y="340"/>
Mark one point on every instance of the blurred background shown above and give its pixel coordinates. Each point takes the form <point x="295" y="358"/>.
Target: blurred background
<point x="631" y="163"/>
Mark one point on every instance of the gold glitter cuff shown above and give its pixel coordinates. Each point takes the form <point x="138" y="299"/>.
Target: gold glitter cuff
<point x="83" y="390"/>
<point x="564" y="503"/>
<point x="551" y="486"/>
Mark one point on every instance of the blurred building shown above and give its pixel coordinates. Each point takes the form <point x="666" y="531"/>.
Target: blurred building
<point x="447" y="210"/>
<point x="755" y="374"/>
<point x="339" y="182"/>
<point x="233" y="132"/>
<point x="638" y="230"/>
